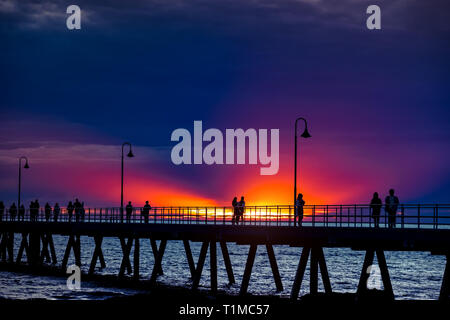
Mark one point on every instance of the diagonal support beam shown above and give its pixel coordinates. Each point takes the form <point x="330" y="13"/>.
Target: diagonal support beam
<point x="300" y="273"/>
<point x="158" y="261"/>
<point x="445" y="287"/>
<point x="248" y="269"/>
<point x="23" y="247"/>
<point x="98" y="255"/>
<point x="187" y="249"/>
<point x="385" y="274"/>
<point x="227" y="261"/>
<point x="274" y="266"/>
<point x="200" y="264"/>
<point x="155" y="254"/>
<point x="126" y="249"/>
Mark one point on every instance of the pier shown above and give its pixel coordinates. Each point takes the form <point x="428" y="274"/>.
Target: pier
<point x="423" y="227"/>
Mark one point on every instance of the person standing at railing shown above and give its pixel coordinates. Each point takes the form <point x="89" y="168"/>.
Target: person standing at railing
<point x="56" y="212"/>
<point x="82" y="212"/>
<point x="298" y="213"/>
<point x="2" y="210"/>
<point x="70" y="209"/>
<point x="375" y="206"/>
<point x="21" y="212"/>
<point x="12" y="212"/>
<point x="128" y="211"/>
<point x="241" y="210"/>
<point x="77" y="206"/>
<point x="34" y="210"/>
<point x="391" y="207"/>
<point x="146" y="211"/>
<point x="234" y="204"/>
<point x="48" y="212"/>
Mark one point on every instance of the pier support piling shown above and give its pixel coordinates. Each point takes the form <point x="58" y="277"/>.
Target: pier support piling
<point x="213" y="265"/>
<point x="227" y="261"/>
<point x="317" y="261"/>
<point x="158" y="260"/>
<point x="365" y="272"/>
<point x="200" y="264"/>
<point x="155" y="254"/>
<point x="248" y="269"/>
<point x="445" y="287"/>
<point x="72" y="244"/>
<point x="274" y="266"/>
<point x="126" y="249"/>
<point x="136" y="259"/>
<point x="98" y="255"/>
<point x="23" y="247"/>
<point x="187" y="249"/>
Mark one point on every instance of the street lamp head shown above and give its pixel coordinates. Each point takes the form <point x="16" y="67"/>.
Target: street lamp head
<point x="130" y="154"/>
<point x="305" y="133"/>
<point x="26" y="166"/>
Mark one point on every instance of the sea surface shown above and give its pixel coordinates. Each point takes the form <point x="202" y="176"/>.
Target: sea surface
<point x="414" y="275"/>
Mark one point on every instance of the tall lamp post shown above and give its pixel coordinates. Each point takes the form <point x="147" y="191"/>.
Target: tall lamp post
<point x="26" y="166"/>
<point x="305" y="135"/>
<point x="129" y="155"/>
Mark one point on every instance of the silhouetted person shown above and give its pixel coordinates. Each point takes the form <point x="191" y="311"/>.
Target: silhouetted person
<point x="375" y="206"/>
<point x="36" y="208"/>
<point x="48" y="212"/>
<point x="70" y="209"/>
<point x="12" y="212"/>
<point x="82" y="212"/>
<point x="391" y="207"/>
<point x="56" y="212"/>
<point x="128" y="211"/>
<point x="146" y="211"/>
<point x="234" y="203"/>
<point x="298" y="214"/>
<point x="32" y="211"/>
<point x="77" y="206"/>
<point x="2" y="210"/>
<point x="21" y="213"/>
<point x="241" y="207"/>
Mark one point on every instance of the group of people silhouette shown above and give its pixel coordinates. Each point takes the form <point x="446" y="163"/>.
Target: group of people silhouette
<point x="391" y="205"/>
<point x="145" y="211"/>
<point x="238" y="210"/>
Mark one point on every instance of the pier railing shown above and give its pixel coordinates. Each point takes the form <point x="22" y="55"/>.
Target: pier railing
<point x="429" y="216"/>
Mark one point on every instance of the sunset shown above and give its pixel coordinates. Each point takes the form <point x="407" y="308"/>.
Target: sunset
<point x="213" y="159"/>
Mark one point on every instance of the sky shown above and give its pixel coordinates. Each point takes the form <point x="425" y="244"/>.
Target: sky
<point x="376" y="101"/>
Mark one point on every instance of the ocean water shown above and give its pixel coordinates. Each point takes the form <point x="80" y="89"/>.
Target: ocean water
<point x="414" y="275"/>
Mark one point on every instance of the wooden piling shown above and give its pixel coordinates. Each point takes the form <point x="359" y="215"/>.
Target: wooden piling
<point x="23" y="247"/>
<point x="323" y="270"/>
<point x="248" y="269"/>
<point x="136" y="258"/>
<point x="97" y="255"/>
<point x="187" y="249"/>
<point x="200" y="263"/>
<point x="213" y="266"/>
<point x="385" y="274"/>
<point x="445" y="287"/>
<point x="313" y="272"/>
<point x="274" y="266"/>
<point x="300" y="273"/>
<point x="368" y="261"/>
<point x="158" y="260"/>
<point x="227" y="261"/>
<point x="155" y="254"/>
<point x="126" y="249"/>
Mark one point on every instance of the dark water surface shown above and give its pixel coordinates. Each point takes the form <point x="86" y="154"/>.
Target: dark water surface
<point x="414" y="275"/>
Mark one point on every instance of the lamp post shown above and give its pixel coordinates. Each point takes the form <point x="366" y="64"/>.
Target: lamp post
<point x="305" y="135"/>
<point x="129" y="155"/>
<point x="26" y="166"/>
